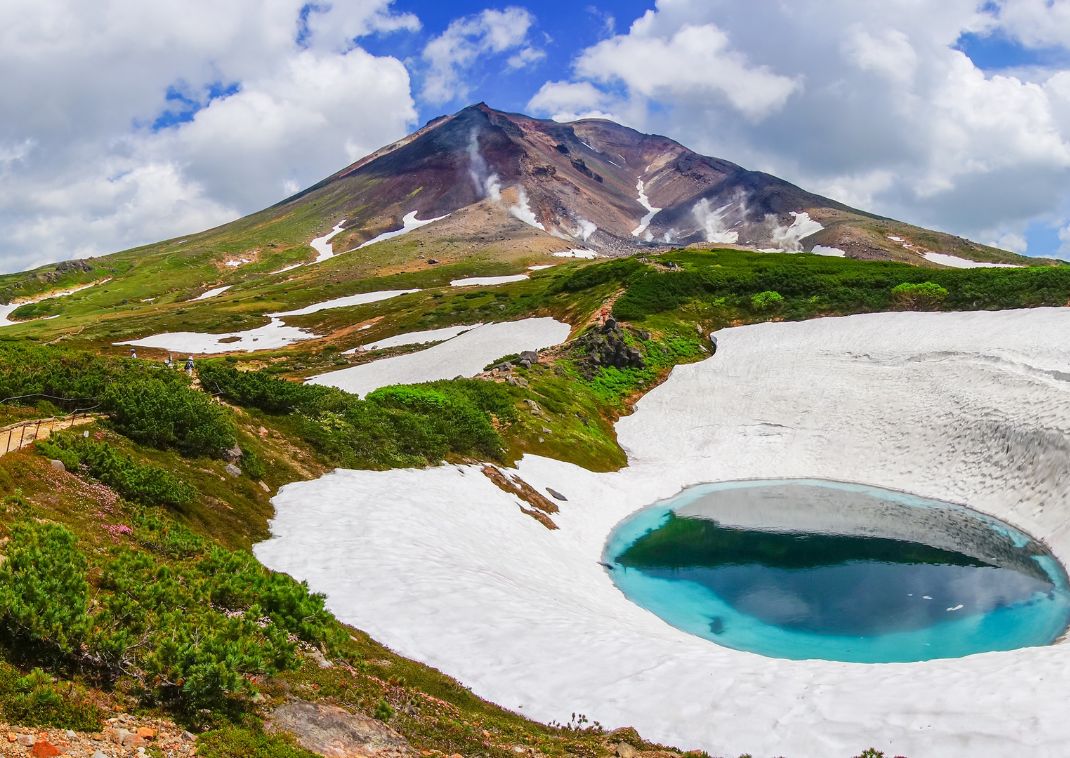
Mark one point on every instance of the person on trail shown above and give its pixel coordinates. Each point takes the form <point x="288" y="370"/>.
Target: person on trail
<point x="133" y="353"/>
<point x="168" y="362"/>
<point x="189" y="365"/>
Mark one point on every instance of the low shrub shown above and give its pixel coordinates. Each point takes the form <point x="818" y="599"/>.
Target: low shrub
<point x="44" y="594"/>
<point x="919" y="296"/>
<point x="407" y="425"/>
<point x="767" y="300"/>
<point x="38" y="700"/>
<point x="167" y="415"/>
<point x="137" y="482"/>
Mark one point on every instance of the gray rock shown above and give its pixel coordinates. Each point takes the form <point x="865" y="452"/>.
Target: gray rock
<point x="100" y="754"/>
<point x="624" y="750"/>
<point x="232" y="470"/>
<point x="233" y="454"/>
<point x="556" y="495"/>
<point x="336" y="733"/>
<point x="57" y="465"/>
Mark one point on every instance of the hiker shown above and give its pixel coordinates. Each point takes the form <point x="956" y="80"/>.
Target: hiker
<point x="168" y="362"/>
<point x="189" y="365"/>
<point x="133" y="354"/>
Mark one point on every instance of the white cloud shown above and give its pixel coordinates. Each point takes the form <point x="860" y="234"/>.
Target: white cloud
<point x="451" y="56"/>
<point x="1037" y="23"/>
<point x="870" y="103"/>
<point x="1010" y="241"/>
<point x="81" y="170"/>
<point x="1064" y="238"/>
<point x="695" y="60"/>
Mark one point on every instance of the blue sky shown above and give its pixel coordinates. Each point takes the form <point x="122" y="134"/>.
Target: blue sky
<point x="122" y="123"/>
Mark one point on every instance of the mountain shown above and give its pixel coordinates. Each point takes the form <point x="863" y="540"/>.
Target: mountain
<point x="597" y="185"/>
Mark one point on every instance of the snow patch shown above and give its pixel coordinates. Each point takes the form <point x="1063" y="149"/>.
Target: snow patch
<point x="416" y="338"/>
<point x="408" y="223"/>
<point x="464" y="355"/>
<point x="644" y="222"/>
<point x="953" y="261"/>
<point x="235" y="262"/>
<point x="322" y="245"/>
<point x="271" y="336"/>
<point x="213" y="292"/>
<point x="832" y="252"/>
<point x="589" y="255"/>
<point x="788" y="239"/>
<point x="475" y="281"/>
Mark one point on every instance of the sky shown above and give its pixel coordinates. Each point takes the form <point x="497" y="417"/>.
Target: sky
<point x="124" y="122"/>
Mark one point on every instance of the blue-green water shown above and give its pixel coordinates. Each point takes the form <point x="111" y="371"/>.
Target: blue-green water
<point x="814" y="569"/>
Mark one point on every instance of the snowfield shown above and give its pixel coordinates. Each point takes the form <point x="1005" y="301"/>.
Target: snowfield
<point x="273" y="335"/>
<point x="322" y="245"/>
<point x="477" y="281"/>
<point x="463" y="355"/>
<point x="408" y="223"/>
<point x="417" y="338"/>
<point x="442" y="566"/>
<point x="953" y="261"/>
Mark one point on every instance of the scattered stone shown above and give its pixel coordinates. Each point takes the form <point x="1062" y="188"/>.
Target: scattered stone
<point x="624" y="750"/>
<point x="146" y="732"/>
<point x="556" y="495"/>
<point x="26" y="740"/>
<point x="57" y="465"/>
<point x="100" y="754"/>
<point x="432" y="261"/>
<point x="528" y="358"/>
<point x="231" y="469"/>
<point x="533" y="406"/>
<point x="120" y="736"/>
<point x="264" y="486"/>
<point x="336" y="733"/>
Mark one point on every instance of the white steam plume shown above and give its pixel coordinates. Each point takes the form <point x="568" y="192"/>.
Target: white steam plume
<point x="716" y="223"/>
<point x="789" y="238"/>
<point x="487" y="184"/>
<point x="523" y="211"/>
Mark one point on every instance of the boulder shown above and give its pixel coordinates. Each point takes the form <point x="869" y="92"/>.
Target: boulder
<point x="233" y="470"/>
<point x="44" y="749"/>
<point x="57" y="465"/>
<point x="233" y="455"/>
<point x="334" y="732"/>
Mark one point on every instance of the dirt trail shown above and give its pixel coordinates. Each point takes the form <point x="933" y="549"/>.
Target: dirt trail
<point x="25" y="433"/>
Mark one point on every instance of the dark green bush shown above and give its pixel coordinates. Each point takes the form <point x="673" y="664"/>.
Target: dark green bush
<point x="44" y="594"/>
<point x="169" y="415"/>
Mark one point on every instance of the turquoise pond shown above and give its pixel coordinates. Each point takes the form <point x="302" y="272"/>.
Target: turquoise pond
<point x="815" y="569"/>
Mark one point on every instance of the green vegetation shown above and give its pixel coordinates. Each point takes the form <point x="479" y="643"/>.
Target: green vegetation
<point x="146" y="401"/>
<point x="767" y="300"/>
<point x="394" y="426"/>
<point x="37" y="699"/>
<point x="732" y="282"/>
<point x="187" y="634"/>
<point x="138" y="483"/>
<point x="919" y="296"/>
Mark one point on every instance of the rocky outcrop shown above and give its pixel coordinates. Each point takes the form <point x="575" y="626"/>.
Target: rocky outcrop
<point x="334" y="732"/>
<point x="606" y="345"/>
